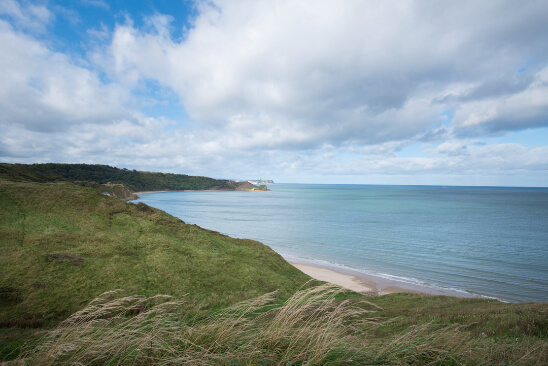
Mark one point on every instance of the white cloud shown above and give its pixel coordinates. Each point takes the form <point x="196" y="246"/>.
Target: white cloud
<point x="521" y="110"/>
<point x="46" y="91"/>
<point x="311" y="72"/>
<point x="453" y="148"/>
<point x="447" y="159"/>
<point x="32" y="17"/>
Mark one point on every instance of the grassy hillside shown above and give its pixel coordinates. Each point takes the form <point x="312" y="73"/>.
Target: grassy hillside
<point x="63" y="245"/>
<point x="135" y="181"/>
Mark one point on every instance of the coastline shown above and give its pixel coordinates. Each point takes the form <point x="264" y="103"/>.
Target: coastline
<point x="366" y="283"/>
<point x="135" y="195"/>
<point x="358" y="281"/>
<point x="370" y="284"/>
<point x="354" y="283"/>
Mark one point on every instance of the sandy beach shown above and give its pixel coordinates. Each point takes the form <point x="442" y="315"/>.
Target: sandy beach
<point x="357" y="284"/>
<point x="371" y="285"/>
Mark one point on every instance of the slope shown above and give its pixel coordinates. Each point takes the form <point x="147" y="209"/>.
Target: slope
<point x="62" y="245"/>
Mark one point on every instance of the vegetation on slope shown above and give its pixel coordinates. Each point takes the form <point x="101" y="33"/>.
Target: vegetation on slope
<point x="135" y="181"/>
<point x="62" y="245"/>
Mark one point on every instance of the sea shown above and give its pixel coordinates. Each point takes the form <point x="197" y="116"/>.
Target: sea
<point x="468" y="241"/>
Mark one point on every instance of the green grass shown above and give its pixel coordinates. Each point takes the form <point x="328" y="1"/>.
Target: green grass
<point x="62" y="245"/>
<point x="482" y="317"/>
<point x="229" y="301"/>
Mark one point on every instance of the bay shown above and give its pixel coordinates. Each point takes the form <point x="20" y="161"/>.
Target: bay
<point x="489" y="241"/>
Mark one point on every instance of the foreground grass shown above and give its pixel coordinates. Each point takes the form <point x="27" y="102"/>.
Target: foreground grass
<point x="319" y="325"/>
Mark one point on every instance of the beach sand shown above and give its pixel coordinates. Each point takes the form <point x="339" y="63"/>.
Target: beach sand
<point x="372" y="284"/>
<point x="357" y="284"/>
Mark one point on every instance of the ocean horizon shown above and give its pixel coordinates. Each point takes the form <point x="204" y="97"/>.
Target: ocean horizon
<point x="472" y="241"/>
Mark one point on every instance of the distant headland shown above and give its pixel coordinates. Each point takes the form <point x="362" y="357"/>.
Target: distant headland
<point x="120" y="183"/>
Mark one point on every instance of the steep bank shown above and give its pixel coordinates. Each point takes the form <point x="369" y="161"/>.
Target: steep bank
<point x="62" y="245"/>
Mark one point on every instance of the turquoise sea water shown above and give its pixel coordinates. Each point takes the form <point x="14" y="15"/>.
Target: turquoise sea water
<point x="482" y="240"/>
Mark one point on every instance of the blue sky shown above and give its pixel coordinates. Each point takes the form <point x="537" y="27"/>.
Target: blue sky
<point x="373" y="92"/>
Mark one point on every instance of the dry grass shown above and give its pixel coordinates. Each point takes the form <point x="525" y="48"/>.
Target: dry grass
<point x="312" y="327"/>
<point x="306" y="329"/>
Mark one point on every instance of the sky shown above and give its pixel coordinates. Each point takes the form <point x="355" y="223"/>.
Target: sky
<point x="310" y="91"/>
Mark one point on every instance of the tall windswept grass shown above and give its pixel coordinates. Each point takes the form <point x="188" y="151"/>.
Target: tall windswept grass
<point x="309" y="328"/>
<point x="313" y="327"/>
<point x="111" y="329"/>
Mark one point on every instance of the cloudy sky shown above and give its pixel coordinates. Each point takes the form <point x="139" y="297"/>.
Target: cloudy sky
<point x="375" y="92"/>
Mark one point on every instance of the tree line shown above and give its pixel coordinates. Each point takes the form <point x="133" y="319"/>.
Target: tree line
<point x="103" y="174"/>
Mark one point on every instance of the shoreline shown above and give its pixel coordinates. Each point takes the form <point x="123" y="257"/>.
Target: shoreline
<point x="370" y="284"/>
<point x="353" y="283"/>
<point x="137" y="194"/>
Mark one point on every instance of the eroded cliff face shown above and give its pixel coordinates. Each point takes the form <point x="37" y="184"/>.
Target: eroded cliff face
<point x="113" y="190"/>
